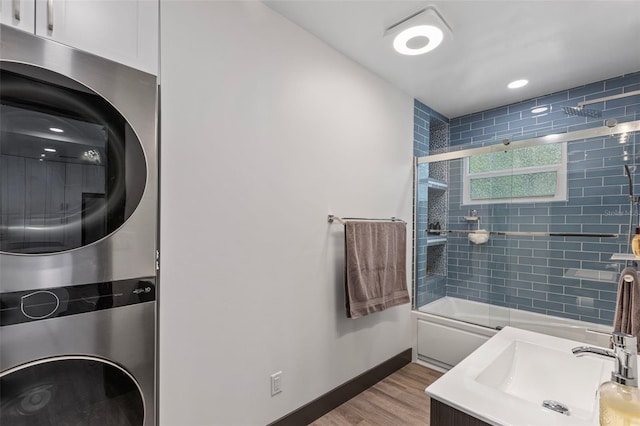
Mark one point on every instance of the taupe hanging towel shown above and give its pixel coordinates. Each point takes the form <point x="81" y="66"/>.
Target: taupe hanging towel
<point x="376" y="267"/>
<point x="627" y="316"/>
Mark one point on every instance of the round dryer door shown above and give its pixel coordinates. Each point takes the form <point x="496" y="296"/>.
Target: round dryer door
<point x="72" y="169"/>
<point x="70" y="391"/>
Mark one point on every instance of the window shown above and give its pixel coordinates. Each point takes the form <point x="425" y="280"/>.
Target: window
<point x="531" y="174"/>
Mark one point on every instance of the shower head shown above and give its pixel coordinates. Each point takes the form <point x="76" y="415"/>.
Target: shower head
<point x="582" y="112"/>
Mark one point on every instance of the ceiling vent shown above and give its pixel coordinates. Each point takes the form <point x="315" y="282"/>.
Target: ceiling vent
<point x="419" y="33"/>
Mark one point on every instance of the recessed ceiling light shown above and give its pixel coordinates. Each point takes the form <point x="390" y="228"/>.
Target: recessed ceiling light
<point x="517" y="84"/>
<point x="41" y="155"/>
<point x="56" y="129"/>
<point x="50" y="149"/>
<point x="539" y="110"/>
<point x="418" y="40"/>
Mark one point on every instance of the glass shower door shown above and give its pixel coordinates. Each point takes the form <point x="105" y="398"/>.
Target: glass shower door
<point x="454" y="251"/>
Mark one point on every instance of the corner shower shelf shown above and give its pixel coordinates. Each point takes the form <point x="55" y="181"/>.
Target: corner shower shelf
<point x="591" y="274"/>
<point x="436" y="240"/>
<point x="624" y="256"/>
<point x="433" y="183"/>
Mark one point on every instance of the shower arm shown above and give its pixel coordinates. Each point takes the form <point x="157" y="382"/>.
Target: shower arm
<point x="608" y="98"/>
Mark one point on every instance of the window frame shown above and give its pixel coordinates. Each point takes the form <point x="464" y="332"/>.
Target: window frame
<point x="561" y="181"/>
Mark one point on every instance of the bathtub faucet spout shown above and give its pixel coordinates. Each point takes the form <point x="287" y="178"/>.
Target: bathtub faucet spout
<point x="625" y="354"/>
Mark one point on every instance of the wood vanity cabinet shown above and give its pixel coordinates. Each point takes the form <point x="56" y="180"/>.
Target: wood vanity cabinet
<point x="124" y="31"/>
<point x="445" y="415"/>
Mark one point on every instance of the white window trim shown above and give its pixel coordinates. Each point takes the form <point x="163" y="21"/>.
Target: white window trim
<point x="561" y="189"/>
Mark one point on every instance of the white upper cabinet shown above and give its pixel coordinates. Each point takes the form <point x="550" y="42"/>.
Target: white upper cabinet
<point x="125" y="31"/>
<point x="18" y="13"/>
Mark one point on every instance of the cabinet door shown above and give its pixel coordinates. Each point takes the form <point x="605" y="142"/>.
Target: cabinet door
<point x="124" y="31"/>
<point x="18" y="13"/>
<point x="73" y="205"/>
<point x="54" y="207"/>
<point x="36" y="234"/>
<point x="13" y="178"/>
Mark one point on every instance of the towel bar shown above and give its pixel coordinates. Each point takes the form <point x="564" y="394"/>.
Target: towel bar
<point x="343" y="220"/>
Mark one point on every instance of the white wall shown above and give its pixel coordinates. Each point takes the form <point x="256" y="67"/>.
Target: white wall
<point x="265" y="131"/>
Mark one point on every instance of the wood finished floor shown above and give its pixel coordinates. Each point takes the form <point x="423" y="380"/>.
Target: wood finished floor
<point x="397" y="400"/>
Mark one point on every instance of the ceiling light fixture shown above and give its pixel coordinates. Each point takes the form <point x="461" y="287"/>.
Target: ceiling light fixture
<point x="92" y="156"/>
<point x="50" y="149"/>
<point x="539" y="110"/>
<point x="517" y="84"/>
<point x="418" y="40"/>
<point x="56" y="129"/>
<point x="419" y="33"/>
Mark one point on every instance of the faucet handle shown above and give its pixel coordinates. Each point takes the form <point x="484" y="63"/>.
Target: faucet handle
<point x="625" y="341"/>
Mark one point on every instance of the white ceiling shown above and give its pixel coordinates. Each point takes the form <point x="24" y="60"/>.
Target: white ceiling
<point x="556" y="45"/>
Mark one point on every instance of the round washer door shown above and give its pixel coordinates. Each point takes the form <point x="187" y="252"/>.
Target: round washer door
<point x="70" y="391"/>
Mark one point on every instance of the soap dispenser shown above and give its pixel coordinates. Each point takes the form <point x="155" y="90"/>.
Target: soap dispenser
<point x="635" y="243"/>
<point x="620" y="397"/>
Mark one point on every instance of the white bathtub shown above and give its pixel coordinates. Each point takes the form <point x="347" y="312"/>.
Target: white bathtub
<point x="449" y="329"/>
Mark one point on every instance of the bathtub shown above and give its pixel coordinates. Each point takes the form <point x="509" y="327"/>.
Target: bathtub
<point x="449" y="329"/>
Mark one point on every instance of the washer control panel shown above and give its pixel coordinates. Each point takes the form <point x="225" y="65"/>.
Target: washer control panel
<point x="34" y="305"/>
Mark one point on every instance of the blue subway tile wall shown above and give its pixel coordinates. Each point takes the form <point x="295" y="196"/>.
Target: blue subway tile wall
<point x="538" y="274"/>
<point x="517" y="121"/>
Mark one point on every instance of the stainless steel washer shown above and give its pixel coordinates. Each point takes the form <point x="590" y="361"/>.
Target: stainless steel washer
<point x="79" y="355"/>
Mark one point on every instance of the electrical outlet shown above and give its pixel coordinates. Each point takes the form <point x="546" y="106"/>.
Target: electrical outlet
<point x="276" y="383"/>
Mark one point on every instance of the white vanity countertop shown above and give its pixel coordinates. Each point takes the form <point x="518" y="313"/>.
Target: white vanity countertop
<point x="505" y="381"/>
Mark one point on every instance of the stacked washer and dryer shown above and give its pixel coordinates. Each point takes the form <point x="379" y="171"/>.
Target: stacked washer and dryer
<point x="78" y="246"/>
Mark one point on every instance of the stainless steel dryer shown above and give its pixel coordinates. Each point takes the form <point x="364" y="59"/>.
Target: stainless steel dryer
<point x="78" y="355"/>
<point x="78" y="218"/>
<point x="78" y="166"/>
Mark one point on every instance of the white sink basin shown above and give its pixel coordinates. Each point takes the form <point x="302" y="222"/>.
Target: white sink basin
<point x="536" y="373"/>
<point x="506" y="380"/>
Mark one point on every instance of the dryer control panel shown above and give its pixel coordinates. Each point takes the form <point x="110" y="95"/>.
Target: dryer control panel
<point x="34" y="305"/>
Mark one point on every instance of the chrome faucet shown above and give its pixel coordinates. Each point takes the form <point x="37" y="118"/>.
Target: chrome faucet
<point x="625" y="354"/>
